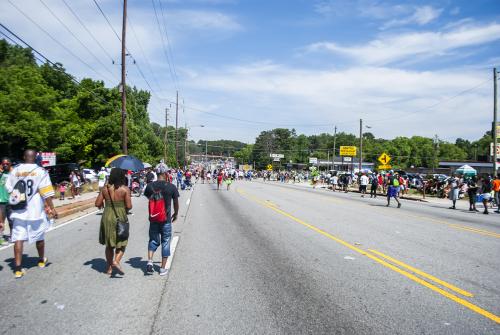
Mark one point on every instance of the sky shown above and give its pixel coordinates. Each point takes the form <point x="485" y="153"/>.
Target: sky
<point x="243" y="66"/>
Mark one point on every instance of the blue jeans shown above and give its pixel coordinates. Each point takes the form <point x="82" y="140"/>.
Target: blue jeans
<point x="160" y="234"/>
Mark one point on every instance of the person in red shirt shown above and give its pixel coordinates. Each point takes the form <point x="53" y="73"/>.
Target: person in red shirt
<point x="219" y="180"/>
<point x="496" y="188"/>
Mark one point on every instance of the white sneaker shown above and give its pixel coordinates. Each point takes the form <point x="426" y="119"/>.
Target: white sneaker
<point x="163" y="272"/>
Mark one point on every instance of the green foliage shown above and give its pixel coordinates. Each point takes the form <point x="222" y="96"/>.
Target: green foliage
<point x="42" y="107"/>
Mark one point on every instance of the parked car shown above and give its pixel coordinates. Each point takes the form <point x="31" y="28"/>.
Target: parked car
<point x="89" y="175"/>
<point x="60" y="172"/>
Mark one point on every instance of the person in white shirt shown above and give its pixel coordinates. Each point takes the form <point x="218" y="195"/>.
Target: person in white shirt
<point x="102" y="176"/>
<point x="363" y="183"/>
<point x="31" y="222"/>
<point x="335" y="182"/>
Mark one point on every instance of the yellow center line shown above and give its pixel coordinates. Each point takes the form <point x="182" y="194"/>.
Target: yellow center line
<point x="423" y="274"/>
<point x="411" y="276"/>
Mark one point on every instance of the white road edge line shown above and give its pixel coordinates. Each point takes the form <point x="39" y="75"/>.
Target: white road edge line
<point x="56" y="227"/>
<point x="188" y="201"/>
<point x="173" y="246"/>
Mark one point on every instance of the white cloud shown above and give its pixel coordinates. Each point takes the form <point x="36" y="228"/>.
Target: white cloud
<point x="422" y="16"/>
<point x="203" y="19"/>
<point x="385" y="97"/>
<point x="392" y="48"/>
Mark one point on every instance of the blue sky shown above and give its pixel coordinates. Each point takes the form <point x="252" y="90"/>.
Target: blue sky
<point x="405" y="67"/>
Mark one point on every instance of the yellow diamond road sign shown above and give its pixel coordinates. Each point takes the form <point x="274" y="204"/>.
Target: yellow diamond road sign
<point x="269" y="167"/>
<point x="384" y="159"/>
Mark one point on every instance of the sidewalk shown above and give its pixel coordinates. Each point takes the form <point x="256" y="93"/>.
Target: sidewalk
<point x="428" y="199"/>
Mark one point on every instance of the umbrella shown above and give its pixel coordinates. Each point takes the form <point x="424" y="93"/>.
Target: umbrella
<point x="466" y="170"/>
<point x="147" y="165"/>
<point x="125" y="163"/>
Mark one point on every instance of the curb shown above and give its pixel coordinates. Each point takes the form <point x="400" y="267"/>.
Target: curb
<point x="69" y="209"/>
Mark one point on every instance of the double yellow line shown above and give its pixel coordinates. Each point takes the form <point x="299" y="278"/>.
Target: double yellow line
<point x="390" y="263"/>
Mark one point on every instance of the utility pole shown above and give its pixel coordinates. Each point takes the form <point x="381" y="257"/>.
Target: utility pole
<point x="334" y="146"/>
<point x="206" y="150"/>
<point x="165" y="150"/>
<point x="185" y="145"/>
<point x="360" y="144"/>
<point x="494" y="122"/>
<point x="177" y="129"/>
<point x="123" y="85"/>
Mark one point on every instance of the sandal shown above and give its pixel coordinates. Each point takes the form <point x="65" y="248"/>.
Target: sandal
<point x="118" y="268"/>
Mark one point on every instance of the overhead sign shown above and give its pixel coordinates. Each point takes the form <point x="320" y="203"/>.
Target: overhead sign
<point x="348" y="151"/>
<point x="384" y="159"/>
<point x="497" y="128"/>
<point x="48" y="159"/>
<point x="276" y="159"/>
<point x="276" y="155"/>
<point x="269" y="167"/>
<point x="385" y="167"/>
<point x="498" y="149"/>
<point x="313" y="160"/>
<point x="347" y="159"/>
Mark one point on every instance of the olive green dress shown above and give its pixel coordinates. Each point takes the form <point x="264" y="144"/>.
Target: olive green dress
<point x="107" y="233"/>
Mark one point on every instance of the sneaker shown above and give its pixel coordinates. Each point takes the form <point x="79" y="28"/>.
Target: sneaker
<point x="19" y="273"/>
<point x="163" y="272"/>
<point x="42" y="262"/>
<point x="149" y="267"/>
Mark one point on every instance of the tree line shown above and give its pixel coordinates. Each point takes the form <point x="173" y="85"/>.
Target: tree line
<point x="415" y="151"/>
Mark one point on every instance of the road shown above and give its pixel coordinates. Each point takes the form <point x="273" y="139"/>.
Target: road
<point x="271" y="259"/>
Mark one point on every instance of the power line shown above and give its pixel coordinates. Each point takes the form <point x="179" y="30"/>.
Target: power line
<point x="88" y="31"/>
<point x="168" y="41"/>
<point x="163" y="46"/>
<point x="107" y="20"/>
<point x="55" y="65"/>
<point x="143" y="53"/>
<point x="54" y="39"/>
<point x="77" y="39"/>
<point x="435" y="104"/>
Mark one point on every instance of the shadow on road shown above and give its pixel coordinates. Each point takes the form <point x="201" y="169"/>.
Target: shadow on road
<point x="97" y="264"/>
<point x="139" y="263"/>
<point x="27" y="262"/>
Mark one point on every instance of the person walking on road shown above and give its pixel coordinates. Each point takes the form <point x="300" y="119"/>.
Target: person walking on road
<point x="454" y="191"/>
<point x="4" y="198"/>
<point x="374" y="187"/>
<point x="116" y="200"/>
<point x="496" y="188"/>
<point x="335" y="182"/>
<point x="363" y="184"/>
<point x="486" y="188"/>
<point x="472" y="189"/>
<point x="161" y="194"/>
<point x="393" y="189"/>
<point x="31" y="219"/>
<point x="219" y="180"/>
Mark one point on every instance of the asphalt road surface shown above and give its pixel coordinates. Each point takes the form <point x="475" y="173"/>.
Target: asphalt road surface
<point x="270" y="259"/>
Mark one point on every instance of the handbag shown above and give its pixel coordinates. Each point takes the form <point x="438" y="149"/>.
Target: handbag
<point x="122" y="225"/>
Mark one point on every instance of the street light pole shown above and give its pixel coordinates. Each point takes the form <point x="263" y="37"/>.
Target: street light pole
<point x="334" y="146"/>
<point x="123" y="84"/>
<point x="494" y="121"/>
<point x="360" y="144"/>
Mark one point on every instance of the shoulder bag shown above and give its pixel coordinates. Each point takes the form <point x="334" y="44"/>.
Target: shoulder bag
<point x="122" y="225"/>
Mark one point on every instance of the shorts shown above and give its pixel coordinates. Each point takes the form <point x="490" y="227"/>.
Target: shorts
<point x="486" y="196"/>
<point x="31" y="231"/>
<point x="160" y="234"/>
<point x="362" y="188"/>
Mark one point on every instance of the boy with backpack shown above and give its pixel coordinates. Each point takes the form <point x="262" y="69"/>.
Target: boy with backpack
<point x="161" y="194"/>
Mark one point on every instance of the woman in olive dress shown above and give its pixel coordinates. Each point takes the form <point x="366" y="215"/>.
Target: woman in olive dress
<point x="117" y="191"/>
